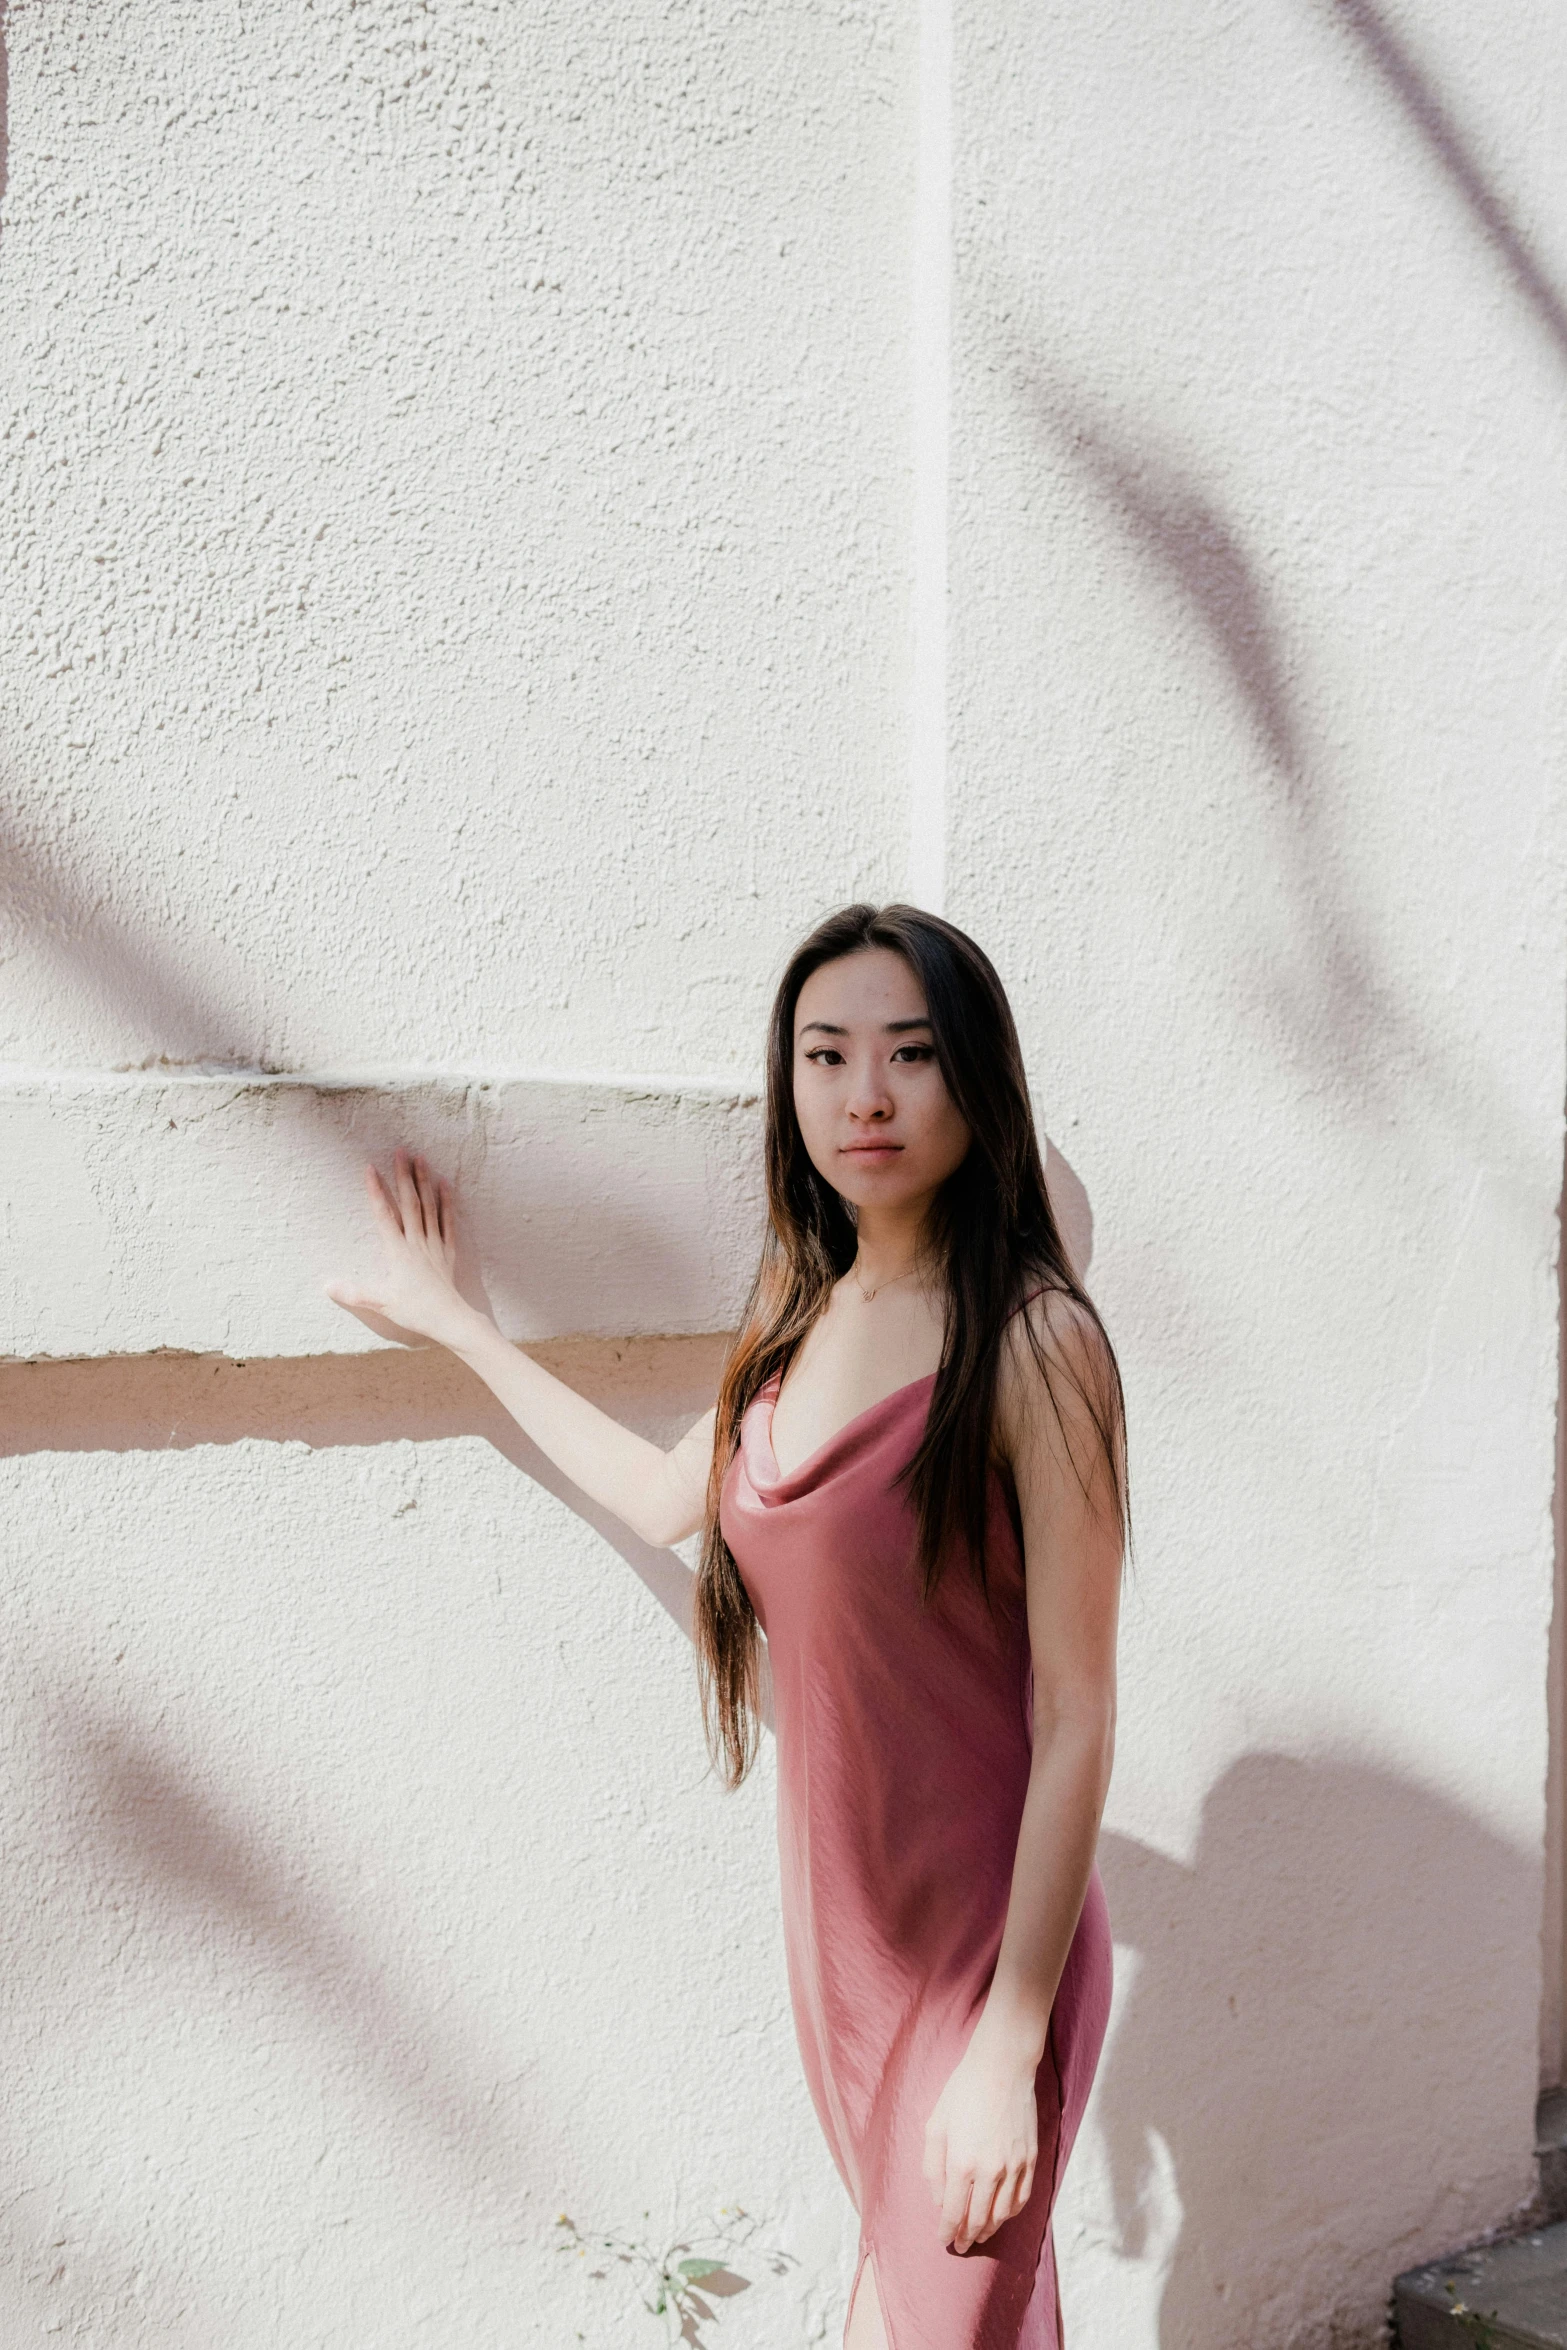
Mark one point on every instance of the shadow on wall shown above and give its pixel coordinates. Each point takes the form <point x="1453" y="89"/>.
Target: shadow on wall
<point x="140" y="1823"/>
<point x="164" y="1403"/>
<point x="1333" y="1002"/>
<point x="1340" y="1008"/>
<point x="168" y="1402"/>
<point x="1298" y="2015"/>
<point x="1343" y="1015"/>
<point x="68" y="911"/>
<point x="1297" y="2025"/>
<point x="1073" y="1209"/>
<point x="1454" y="151"/>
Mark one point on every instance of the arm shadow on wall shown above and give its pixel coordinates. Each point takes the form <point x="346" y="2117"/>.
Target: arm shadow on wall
<point x="170" y="1402"/>
<point x="1309" y="2005"/>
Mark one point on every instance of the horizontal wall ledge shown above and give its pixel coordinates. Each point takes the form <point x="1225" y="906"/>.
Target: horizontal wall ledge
<point x="204" y="1210"/>
<point x="168" y="1402"/>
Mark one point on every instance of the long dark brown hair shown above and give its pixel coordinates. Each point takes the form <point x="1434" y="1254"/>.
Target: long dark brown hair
<point x="992" y="1235"/>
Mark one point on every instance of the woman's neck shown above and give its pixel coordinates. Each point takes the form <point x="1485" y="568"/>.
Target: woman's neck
<point x="889" y="1247"/>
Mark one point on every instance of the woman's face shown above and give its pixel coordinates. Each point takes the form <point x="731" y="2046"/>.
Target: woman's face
<point x="873" y="1106"/>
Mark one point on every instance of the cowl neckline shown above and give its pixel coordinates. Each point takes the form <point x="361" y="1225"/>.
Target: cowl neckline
<point x="769" y="1481"/>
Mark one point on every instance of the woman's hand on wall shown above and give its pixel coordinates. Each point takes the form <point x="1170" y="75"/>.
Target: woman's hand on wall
<point x="417" y="1220"/>
<point x="660" y="1495"/>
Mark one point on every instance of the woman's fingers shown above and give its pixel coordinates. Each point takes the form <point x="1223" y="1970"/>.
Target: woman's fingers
<point x="1011" y="2195"/>
<point x="976" y="2222"/>
<point x="416" y="1205"/>
<point x="978" y="2202"/>
<point x="425" y="1187"/>
<point x="431" y="1189"/>
<point x="382" y="1205"/>
<point x="983" y="2216"/>
<point x="407" y="1194"/>
<point x="981" y="2154"/>
<point x="955" y="2205"/>
<point x="429" y="1199"/>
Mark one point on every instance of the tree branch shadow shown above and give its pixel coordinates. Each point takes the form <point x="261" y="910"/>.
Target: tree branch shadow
<point x="62" y="908"/>
<point x="164" y="1850"/>
<point x="1445" y="139"/>
<point x="1338" y="1008"/>
<point x="139" y="1819"/>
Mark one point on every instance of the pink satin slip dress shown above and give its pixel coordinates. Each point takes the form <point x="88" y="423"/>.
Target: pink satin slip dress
<point x="904" y="1733"/>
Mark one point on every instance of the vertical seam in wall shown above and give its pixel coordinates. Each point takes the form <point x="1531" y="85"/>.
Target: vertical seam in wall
<point x="931" y="416"/>
<point x="1553" y="2004"/>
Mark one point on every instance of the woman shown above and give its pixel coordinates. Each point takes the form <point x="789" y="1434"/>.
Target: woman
<point x="913" y="1486"/>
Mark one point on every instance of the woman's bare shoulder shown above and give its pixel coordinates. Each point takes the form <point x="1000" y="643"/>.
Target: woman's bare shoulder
<point x="1063" y="1328"/>
<point x="1056" y="1372"/>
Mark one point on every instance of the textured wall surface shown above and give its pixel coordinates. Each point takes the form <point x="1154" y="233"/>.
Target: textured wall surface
<point x="602" y="1208"/>
<point x="1259" y="609"/>
<point x="369" y="1903"/>
<point x="458" y="481"/>
<point x="454" y="470"/>
<point x="454" y="508"/>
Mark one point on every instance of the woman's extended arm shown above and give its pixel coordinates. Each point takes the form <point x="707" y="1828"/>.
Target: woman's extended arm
<point x="660" y="1495"/>
<point x="982" y="2140"/>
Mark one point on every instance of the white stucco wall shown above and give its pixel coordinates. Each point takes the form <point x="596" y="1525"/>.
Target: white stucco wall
<point x="470" y="529"/>
<point x="454" y="455"/>
<point x="1258" y="619"/>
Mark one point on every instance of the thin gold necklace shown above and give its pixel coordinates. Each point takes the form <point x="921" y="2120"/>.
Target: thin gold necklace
<point x="854" y="1274"/>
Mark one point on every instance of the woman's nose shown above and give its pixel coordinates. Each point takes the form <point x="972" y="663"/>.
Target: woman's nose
<point x="869" y="1098"/>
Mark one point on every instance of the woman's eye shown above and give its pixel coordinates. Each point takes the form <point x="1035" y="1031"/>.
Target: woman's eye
<point x="825" y="1053"/>
<point x="918" y="1052"/>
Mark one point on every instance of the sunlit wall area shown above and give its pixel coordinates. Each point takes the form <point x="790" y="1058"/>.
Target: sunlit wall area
<point x="456" y="502"/>
<point x="457" y="463"/>
<point x="1257" y="766"/>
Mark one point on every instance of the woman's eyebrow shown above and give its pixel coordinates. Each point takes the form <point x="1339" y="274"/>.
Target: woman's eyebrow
<point x="893" y="1027"/>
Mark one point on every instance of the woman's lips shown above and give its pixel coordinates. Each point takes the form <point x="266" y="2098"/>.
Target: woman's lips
<point x="871" y="1150"/>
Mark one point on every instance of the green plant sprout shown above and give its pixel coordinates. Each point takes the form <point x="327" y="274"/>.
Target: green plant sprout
<point x="679" y="2282"/>
<point x="1472" y="2319"/>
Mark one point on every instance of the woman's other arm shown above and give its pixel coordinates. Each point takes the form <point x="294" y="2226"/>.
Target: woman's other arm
<point x="662" y="1496"/>
<point x="982" y="2145"/>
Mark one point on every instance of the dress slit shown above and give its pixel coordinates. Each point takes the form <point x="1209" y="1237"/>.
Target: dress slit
<point x="867" y="2260"/>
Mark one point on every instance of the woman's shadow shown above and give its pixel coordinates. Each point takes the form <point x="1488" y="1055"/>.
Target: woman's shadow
<point x="1323" y="2032"/>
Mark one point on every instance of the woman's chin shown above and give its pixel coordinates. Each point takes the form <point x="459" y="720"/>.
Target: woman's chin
<point x="867" y="1187"/>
